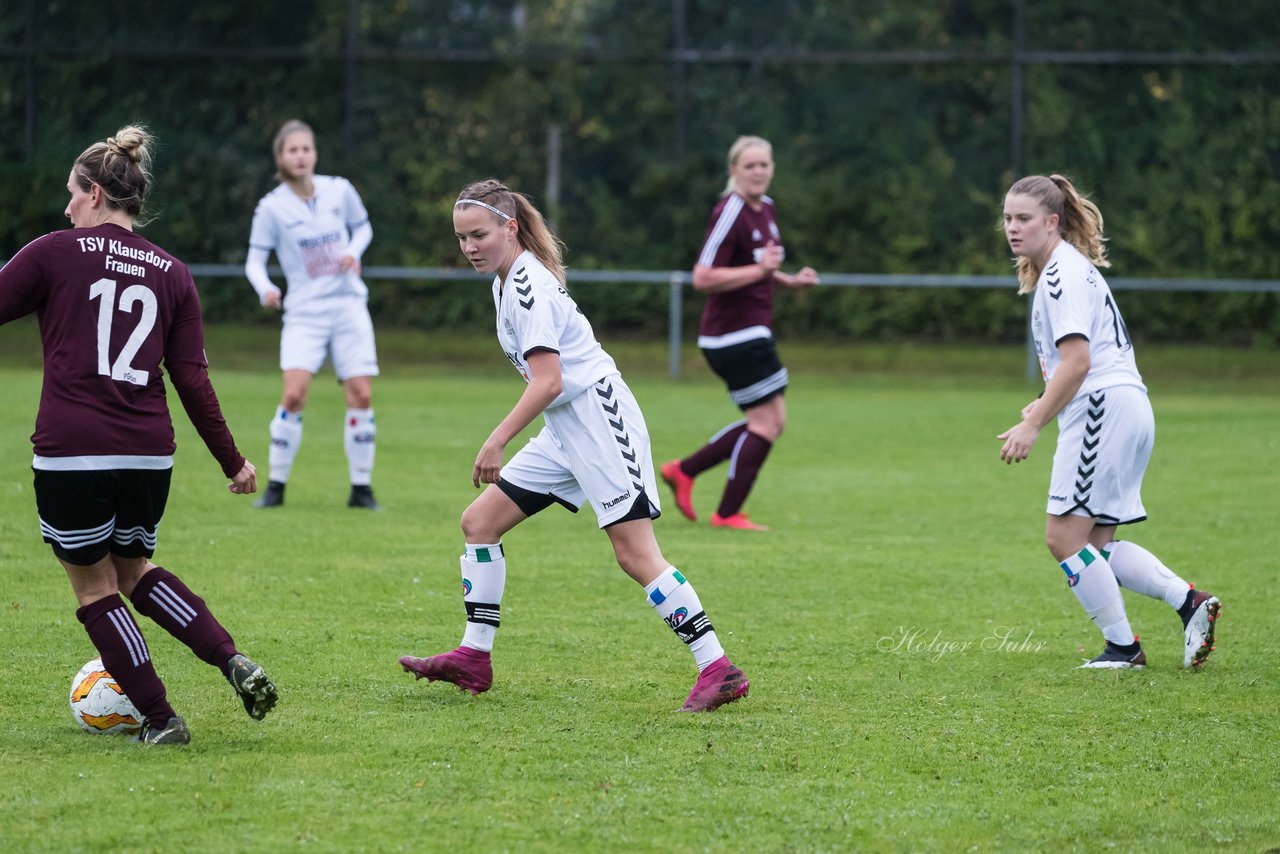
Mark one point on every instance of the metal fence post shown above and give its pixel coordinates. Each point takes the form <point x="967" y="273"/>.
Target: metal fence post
<point x="29" y="86"/>
<point x="1017" y="88"/>
<point x="675" y="316"/>
<point x="350" y="73"/>
<point x="555" y="135"/>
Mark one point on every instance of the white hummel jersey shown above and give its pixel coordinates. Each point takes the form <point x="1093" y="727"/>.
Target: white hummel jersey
<point x="1072" y="298"/>
<point x="535" y="312"/>
<point x="310" y="237"/>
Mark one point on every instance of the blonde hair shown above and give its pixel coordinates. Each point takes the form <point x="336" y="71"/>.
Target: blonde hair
<point x="277" y="144"/>
<point x="1079" y="222"/>
<point x="740" y="145"/>
<point x="532" y="231"/>
<point x="121" y="167"/>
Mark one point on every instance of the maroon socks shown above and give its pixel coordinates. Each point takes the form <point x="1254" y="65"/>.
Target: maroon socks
<point x="163" y="597"/>
<point x="125" y="656"/>
<point x="747" y="459"/>
<point x="718" y="449"/>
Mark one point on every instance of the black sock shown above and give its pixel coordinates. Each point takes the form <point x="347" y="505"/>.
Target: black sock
<point x="1187" y="610"/>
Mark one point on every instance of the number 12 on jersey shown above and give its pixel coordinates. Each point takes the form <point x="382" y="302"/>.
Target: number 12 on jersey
<point x="122" y="370"/>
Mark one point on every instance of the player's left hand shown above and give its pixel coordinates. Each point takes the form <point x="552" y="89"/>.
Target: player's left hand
<point x="349" y="264"/>
<point x="805" y="278"/>
<point x="1018" y="440"/>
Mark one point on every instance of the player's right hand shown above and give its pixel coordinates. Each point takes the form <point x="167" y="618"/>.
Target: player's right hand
<point x="771" y="257"/>
<point x="488" y="465"/>
<point x="1018" y="440"/>
<point x="271" y="299"/>
<point x="246" y="480"/>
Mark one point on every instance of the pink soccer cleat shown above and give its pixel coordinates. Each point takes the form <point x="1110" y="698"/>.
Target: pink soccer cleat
<point x="682" y="485"/>
<point x="720" y="683"/>
<point x="738" y="521"/>
<point x="467" y="668"/>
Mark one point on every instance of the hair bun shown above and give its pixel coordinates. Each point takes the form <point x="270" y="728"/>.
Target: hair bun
<point x="130" y="142"/>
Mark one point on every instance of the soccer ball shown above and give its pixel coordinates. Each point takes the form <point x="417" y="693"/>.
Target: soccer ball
<point x="99" y="705"/>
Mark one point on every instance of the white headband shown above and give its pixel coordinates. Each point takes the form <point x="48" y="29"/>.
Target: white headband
<point x="484" y="205"/>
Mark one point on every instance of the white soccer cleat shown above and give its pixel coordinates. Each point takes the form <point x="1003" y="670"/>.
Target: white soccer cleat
<point x="1198" y="629"/>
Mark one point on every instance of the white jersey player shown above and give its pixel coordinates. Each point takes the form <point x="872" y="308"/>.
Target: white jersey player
<point x="1089" y="311"/>
<point x="1105" y="424"/>
<point x="310" y="237"/>
<point x="593" y="449"/>
<point x="535" y="312"/>
<point x="318" y="227"/>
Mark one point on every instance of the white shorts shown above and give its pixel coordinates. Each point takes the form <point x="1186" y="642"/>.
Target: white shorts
<point x="1104" y="444"/>
<point x="340" y="328"/>
<point x="594" y="448"/>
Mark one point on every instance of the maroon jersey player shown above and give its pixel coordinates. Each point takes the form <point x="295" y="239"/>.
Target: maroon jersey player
<point x="738" y="268"/>
<point x="112" y="308"/>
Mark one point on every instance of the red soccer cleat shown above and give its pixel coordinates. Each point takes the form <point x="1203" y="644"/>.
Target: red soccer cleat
<point x="682" y="485"/>
<point x="739" y="521"/>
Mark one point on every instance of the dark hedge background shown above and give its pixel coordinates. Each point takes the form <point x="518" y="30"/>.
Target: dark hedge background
<point x="884" y="165"/>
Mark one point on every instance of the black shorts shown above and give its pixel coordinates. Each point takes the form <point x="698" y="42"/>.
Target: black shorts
<point x="86" y="515"/>
<point x="752" y="371"/>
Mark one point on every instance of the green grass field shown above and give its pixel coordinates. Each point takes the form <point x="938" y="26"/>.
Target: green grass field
<point x="912" y="647"/>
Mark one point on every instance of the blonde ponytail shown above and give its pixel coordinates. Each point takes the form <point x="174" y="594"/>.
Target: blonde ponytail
<point x="1079" y="222"/>
<point x="533" y="232"/>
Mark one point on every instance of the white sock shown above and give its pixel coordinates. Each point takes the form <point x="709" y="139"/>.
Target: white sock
<point x="484" y="576"/>
<point x="1142" y="572"/>
<point x="286" y="438"/>
<point x="1091" y="579"/>
<point x="358" y="434"/>
<point x="676" y="602"/>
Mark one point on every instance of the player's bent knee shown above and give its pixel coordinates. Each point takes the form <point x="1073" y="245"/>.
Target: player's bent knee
<point x="129" y="572"/>
<point x="362" y="399"/>
<point x="767" y="428"/>
<point x="642" y="564"/>
<point x="479" y="526"/>
<point x="1061" y="545"/>
<point x="294" y="402"/>
<point x="471" y="524"/>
